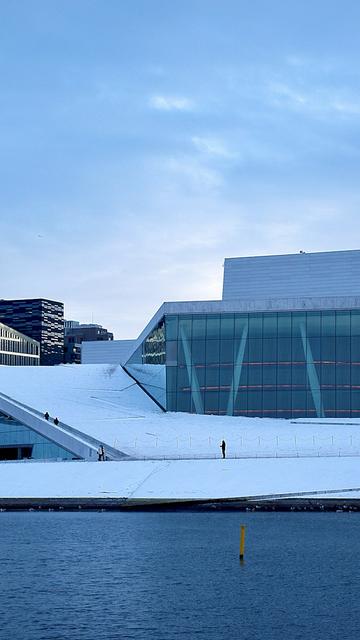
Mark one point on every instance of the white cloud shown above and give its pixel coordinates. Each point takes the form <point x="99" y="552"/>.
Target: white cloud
<point x="193" y="174"/>
<point x="212" y="147"/>
<point x="321" y="101"/>
<point x="171" y="103"/>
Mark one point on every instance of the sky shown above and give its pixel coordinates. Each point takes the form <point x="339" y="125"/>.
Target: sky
<point x="143" y="141"/>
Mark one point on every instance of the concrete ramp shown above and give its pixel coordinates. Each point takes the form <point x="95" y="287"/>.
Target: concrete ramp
<point x="81" y="445"/>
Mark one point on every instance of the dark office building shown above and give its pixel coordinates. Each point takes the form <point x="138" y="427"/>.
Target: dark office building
<point x="41" y="320"/>
<point x="76" y="334"/>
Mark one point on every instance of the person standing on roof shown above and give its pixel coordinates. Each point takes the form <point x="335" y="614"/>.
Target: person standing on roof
<point x="223" y="447"/>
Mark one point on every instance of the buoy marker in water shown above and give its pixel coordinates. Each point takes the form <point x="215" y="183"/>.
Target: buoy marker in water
<point x="242" y="541"/>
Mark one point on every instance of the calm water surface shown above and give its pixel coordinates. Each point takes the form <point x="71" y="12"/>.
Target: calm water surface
<point x="177" y="575"/>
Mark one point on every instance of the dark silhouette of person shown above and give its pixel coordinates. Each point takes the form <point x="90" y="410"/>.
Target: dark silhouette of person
<point x="46" y="415"/>
<point x="101" y="453"/>
<point x="223" y="447"/>
<point x="56" y="421"/>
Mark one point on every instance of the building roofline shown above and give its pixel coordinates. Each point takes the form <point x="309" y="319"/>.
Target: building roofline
<point x="249" y="305"/>
<point x="283" y="255"/>
<point x="30" y="300"/>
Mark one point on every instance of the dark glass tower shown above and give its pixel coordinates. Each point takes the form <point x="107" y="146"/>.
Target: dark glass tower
<point x="40" y="319"/>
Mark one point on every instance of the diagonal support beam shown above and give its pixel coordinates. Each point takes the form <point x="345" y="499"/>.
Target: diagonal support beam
<point x="192" y="375"/>
<point x="237" y="372"/>
<point x="312" y="373"/>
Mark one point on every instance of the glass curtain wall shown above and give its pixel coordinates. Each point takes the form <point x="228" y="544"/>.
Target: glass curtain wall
<point x="264" y="364"/>
<point x="147" y="364"/>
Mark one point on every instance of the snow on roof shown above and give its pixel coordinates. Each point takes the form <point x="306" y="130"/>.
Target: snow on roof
<point x="103" y="402"/>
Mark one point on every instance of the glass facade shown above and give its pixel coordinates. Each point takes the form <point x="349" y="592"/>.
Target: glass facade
<point x="18" y="442"/>
<point x="284" y="364"/>
<point x="147" y="365"/>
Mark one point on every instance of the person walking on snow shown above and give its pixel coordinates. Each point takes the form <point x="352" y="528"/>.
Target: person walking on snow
<point x="223" y="447"/>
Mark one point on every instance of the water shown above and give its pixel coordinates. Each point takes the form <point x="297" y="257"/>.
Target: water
<point x="165" y="576"/>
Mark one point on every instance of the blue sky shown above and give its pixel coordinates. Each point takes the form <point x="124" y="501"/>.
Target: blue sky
<point x="142" y="141"/>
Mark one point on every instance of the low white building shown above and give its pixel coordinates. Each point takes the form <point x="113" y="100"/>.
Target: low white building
<point x="106" y="352"/>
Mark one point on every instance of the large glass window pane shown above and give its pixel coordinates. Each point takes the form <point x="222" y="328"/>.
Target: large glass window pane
<point x="226" y="377"/>
<point x="211" y="402"/>
<point x="171" y="353"/>
<point x="181" y="353"/>
<point x="328" y="323"/>
<point x="284" y="325"/>
<point x="183" y="401"/>
<point x="270" y="325"/>
<point x="284" y="349"/>
<point x="198" y="351"/>
<point x="199" y="327"/>
<point x="327" y="374"/>
<point x="255" y="349"/>
<point x="355" y="349"/>
<point x="283" y="401"/>
<point x="255" y="326"/>
<point x="241" y="322"/>
<point x="269" y="374"/>
<point x="241" y="353"/>
<point x="255" y="375"/>
<point x="183" y="380"/>
<point x="171" y="401"/>
<point x="328" y="349"/>
<point x="343" y="349"/>
<point x="311" y="410"/>
<point x="212" y="327"/>
<point x="342" y="320"/>
<point x="269" y="403"/>
<point x="198" y="376"/>
<point x="315" y="348"/>
<point x="329" y="403"/>
<point x="284" y="375"/>
<point x="171" y="379"/>
<point x="226" y="351"/>
<point x="223" y="402"/>
<point x="269" y="350"/>
<point x="299" y="374"/>
<point x="298" y="324"/>
<point x="355" y="323"/>
<point x="342" y="374"/>
<point x="298" y="402"/>
<point x="342" y="402"/>
<point x="227" y="326"/>
<point x="241" y="403"/>
<point x="313" y="323"/>
<point x="355" y="375"/>
<point x="197" y="400"/>
<point x="185" y="323"/>
<point x="355" y="403"/>
<point x="255" y="402"/>
<point x="212" y="378"/>
<point x="171" y="327"/>
<point x="297" y="349"/>
<point x="212" y="351"/>
<point x="241" y="374"/>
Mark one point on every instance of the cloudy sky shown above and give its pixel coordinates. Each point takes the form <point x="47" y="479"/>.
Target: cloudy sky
<point x="142" y="141"/>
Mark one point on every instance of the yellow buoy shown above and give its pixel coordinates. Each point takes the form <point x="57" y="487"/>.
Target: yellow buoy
<point x="242" y="541"/>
